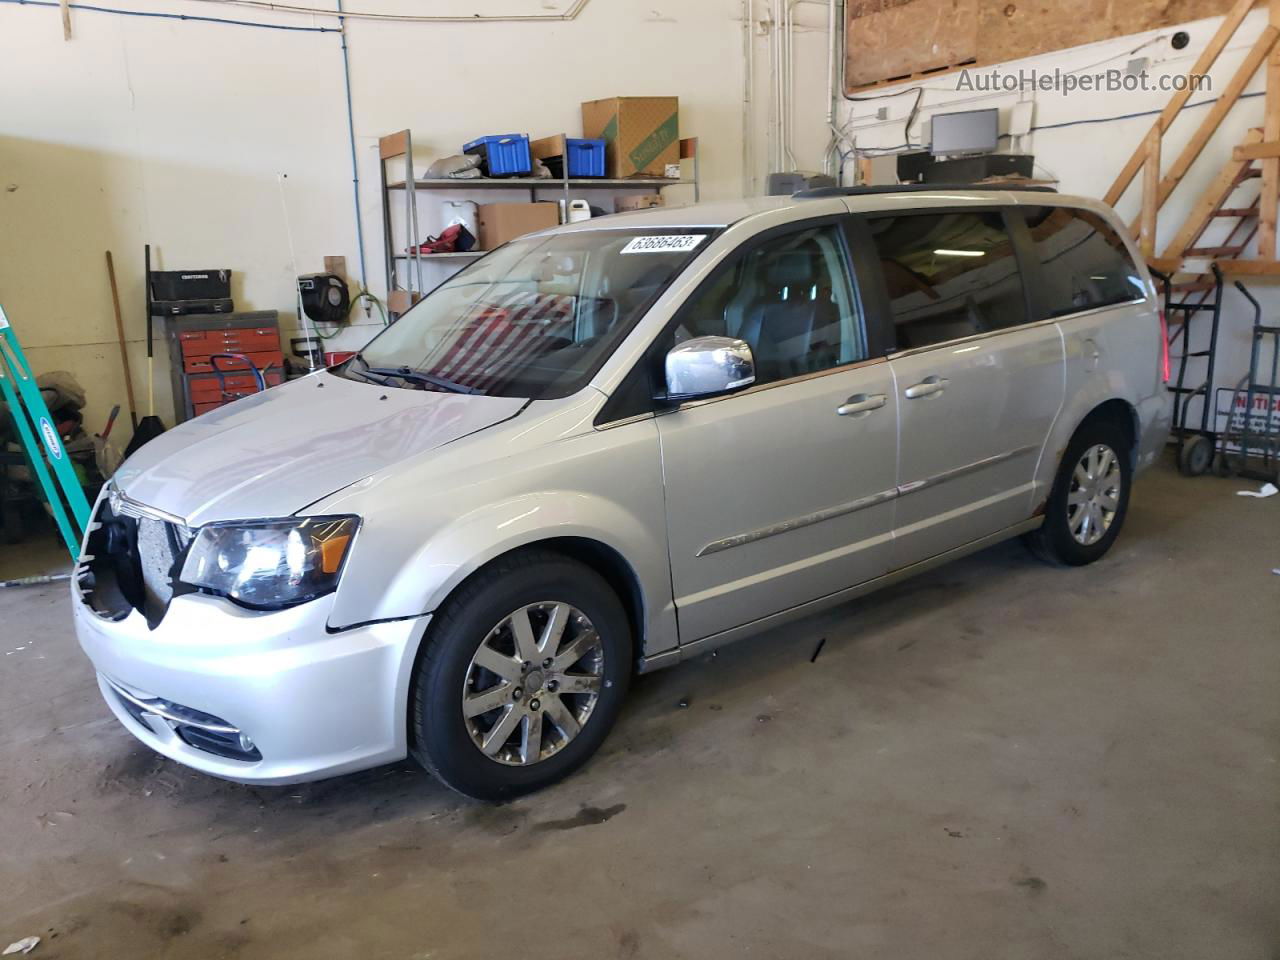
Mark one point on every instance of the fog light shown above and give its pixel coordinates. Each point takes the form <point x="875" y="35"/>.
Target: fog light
<point x="246" y="744"/>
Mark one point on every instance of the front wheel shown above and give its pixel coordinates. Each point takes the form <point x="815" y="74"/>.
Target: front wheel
<point x="523" y="675"/>
<point x="1090" y="497"/>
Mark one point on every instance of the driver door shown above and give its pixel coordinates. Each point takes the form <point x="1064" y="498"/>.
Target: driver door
<point x="781" y="493"/>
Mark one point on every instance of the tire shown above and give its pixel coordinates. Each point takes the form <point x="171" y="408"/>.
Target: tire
<point x="474" y="755"/>
<point x="1055" y="542"/>
<point x="1196" y="456"/>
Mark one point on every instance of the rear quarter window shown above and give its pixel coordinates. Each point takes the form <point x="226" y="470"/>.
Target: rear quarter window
<point x="1084" y="262"/>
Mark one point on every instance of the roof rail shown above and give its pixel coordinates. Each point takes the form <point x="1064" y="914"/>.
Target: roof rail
<point x="912" y="188"/>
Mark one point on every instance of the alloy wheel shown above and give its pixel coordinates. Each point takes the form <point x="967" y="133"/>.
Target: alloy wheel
<point x="533" y="683"/>
<point x="1094" y="495"/>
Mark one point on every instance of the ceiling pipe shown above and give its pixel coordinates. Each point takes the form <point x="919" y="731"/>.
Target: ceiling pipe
<point x="570" y="14"/>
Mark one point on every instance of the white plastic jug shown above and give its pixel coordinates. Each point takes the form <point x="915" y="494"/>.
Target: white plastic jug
<point x="579" y="210"/>
<point x="464" y="212"/>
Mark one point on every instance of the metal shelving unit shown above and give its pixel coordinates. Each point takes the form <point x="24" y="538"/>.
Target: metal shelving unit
<point x="405" y="283"/>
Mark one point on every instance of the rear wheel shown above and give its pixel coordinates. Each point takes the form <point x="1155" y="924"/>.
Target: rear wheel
<point x="1196" y="455"/>
<point x="523" y="675"/>
<point x="1090" y="497"/>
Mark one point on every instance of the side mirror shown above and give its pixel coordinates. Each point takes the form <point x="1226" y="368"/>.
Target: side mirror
<point x="708" y="366"/>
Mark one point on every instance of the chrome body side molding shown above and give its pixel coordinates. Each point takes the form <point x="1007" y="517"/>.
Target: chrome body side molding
<point x="670" y="658"/>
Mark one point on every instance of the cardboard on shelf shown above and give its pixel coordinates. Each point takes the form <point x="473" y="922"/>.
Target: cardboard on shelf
<point x="641" y="134"/>
<point x="500" y="222"/>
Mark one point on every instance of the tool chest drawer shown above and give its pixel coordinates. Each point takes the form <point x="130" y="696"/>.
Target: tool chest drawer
<point x="205" y="364"/>
<point x="203" y="343"/>
<point x="209" y="388"/>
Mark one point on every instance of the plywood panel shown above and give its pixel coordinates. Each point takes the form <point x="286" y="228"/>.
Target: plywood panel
<point x="893" y="39"/>
<point x="890" y="38"/>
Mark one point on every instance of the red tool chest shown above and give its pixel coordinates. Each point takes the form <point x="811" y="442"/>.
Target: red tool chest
<point x="196" y="338"/>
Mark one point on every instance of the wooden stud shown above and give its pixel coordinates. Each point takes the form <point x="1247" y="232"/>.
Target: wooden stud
<point x="1150" y="192"/>
<point x="1169" y="265"/>
<point x="65" y="7"/>
<point x="1212" y="198"/>
<point x="1257" y="151"/>
<point x="393" y="145"/>
<point x="1230" y="23"/>
<point x="1252" y="268"/>
<point x="1266" y="40"/>
<point x="1269" y="197"/>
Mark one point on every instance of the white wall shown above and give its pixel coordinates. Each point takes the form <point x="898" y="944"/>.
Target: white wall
<point x="1085" y="157"/>
<point x="185" y="134"/>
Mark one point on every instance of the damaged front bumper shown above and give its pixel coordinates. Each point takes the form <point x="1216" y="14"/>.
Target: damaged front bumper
<point x="266" y="698"/>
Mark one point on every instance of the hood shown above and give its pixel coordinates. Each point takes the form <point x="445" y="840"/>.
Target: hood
<point x="274" y="453"/>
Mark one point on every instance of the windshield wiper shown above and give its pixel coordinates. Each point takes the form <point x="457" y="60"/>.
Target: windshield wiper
<point x="420" y="376"/>
<point x="366" y="375"/>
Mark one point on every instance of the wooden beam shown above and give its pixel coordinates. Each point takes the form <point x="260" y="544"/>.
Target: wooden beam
<point x="1214" y="194"/>
<point x="1258" y="151"/>
<point x="65" y="7"/>
<point x="1266" y="40"/>
<point x="1169" y="265"/>
<point x="394" y="145"/>
<point x="1230" y="23"/>
<point x="1150" y="191"/>
<point x="1269" y="197"/>
<point x="1250" y="268"/>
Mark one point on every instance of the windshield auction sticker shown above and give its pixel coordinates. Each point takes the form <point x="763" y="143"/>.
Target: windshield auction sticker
<point x="664" y="243"/>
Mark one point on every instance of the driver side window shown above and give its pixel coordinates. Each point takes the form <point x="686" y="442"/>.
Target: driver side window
<point x="790" y="298"/>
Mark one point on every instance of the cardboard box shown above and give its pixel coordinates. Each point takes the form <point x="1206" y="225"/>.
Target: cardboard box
<point x="399" y="301"/>
<point x="641" y="134"/>
<point x="547" y="147"/>
<point x="500" y="222"/>
<point x="642" y="202"/>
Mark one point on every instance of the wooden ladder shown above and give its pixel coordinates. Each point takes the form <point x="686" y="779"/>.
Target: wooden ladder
<point x="1219" y="202"/>
<point x="1257" y="158"/>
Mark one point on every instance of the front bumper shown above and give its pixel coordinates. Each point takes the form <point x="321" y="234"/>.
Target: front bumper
<point x="314" y="704"/>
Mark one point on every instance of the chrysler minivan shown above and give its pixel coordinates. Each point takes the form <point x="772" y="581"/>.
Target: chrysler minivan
<point x="606" y="448"/>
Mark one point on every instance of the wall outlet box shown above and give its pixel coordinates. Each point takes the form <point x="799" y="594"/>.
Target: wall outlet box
<point x="882" y="113"/>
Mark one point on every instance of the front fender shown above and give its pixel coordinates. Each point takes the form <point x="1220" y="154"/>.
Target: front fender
<point x="472" y="541"/>
<point x="426" y="530"/>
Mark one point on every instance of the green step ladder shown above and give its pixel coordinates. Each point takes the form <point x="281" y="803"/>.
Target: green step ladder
<point x="40" y="440"/>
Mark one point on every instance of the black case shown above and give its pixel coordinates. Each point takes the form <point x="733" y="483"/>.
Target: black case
<point x="172" y="285"/>
<point x="180" y="308"/>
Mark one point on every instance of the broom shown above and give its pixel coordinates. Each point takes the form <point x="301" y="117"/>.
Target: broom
<point x="150" y="426"/>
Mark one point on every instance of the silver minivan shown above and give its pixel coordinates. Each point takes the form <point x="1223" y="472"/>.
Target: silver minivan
<point x="606" y="448"/>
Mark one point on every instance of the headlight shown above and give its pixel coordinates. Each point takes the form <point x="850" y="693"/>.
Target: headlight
<point x="270" y="563"/>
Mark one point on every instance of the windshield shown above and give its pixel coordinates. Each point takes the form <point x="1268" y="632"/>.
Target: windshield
<point x="534" y="319"/>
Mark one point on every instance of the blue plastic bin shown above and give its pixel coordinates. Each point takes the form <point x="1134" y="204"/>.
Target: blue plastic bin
<point x="505" y="154"/>
<point x="585" y="157"/>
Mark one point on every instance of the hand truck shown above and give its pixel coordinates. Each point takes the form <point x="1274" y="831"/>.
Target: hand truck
<point x="1258" y="435"/>
<point x="1195" y="442"/>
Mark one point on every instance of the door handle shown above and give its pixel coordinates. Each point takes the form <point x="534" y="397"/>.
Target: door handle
<point x="861" y="403"/>
<point x="927" y="388"/>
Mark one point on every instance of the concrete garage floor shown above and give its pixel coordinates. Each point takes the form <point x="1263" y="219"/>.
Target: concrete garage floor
<point x="996" y="760"/>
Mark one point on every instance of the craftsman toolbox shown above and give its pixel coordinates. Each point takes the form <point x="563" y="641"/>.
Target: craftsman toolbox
<point x="176" y="293"/>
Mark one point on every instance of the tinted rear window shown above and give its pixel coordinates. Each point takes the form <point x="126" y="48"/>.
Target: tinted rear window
<point x="1085" y="263"/>
<point x="948" y="275"/>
